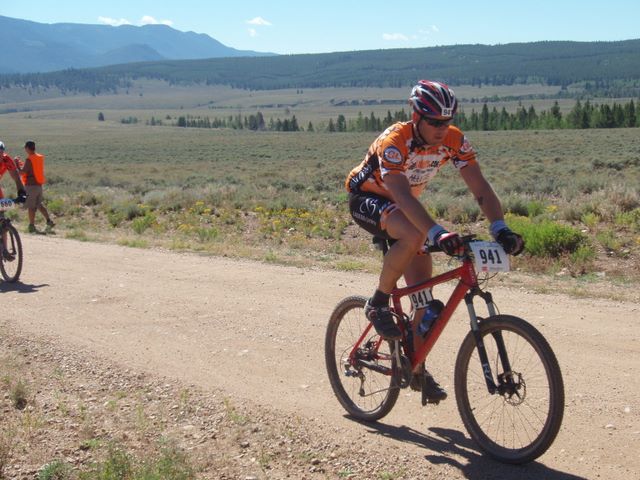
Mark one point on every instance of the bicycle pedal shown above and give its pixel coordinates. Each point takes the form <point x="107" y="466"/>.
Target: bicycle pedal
<point x="430" y="401"/>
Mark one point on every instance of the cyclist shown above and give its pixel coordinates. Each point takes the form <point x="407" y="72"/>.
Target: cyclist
<point x="383" y="199"/>
<point x="8" y="165"/>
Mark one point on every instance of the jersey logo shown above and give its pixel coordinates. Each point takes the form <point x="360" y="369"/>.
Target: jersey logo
<point x="466" y="146"/>
<point x="392" y="155"/>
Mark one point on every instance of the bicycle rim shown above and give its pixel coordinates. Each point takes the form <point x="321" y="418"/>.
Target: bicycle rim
<point x="11" y="268"/>
<point x="519" y="423"/>
<point x="365" y="392"/>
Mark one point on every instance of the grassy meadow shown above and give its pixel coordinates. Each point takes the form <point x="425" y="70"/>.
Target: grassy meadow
<point x="279" y="196"/>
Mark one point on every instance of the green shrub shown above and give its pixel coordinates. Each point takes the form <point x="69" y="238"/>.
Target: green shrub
<point x="535" y="208"/>
<point x="546" y="238"/>
<point x="608" y="240"/>
<point x="630" y="219"/>
<point x="115" y="218"/>
<point x="515" y="205"/>
<point x="56" y="470"/>
<point x="56" y="206"/>
<point x="207" y="234"/>
<point x="141" y="224"/>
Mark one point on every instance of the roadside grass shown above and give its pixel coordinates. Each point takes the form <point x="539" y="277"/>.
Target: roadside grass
<point x="279" y="197"/>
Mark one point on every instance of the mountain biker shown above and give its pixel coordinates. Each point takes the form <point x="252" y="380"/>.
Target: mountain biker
<point x="8" y="165"/>
<point x="383" y="199"/>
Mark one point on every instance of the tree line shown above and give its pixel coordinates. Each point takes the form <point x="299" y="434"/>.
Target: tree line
<point x="582" y="115"/>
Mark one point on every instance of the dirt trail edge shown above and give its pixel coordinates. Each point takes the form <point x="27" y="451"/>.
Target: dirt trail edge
<point x="255" y="333"/>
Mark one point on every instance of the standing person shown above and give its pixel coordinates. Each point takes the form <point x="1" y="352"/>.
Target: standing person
<point x="7" y="164"/>
<point x="383" y="199"/>
<point x="33" y="179"/>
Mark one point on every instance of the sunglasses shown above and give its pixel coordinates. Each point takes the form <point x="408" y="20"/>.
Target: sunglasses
<point x="437" y="123"/>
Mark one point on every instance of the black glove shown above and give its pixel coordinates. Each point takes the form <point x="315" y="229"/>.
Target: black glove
<point x="449" y="242"/>
<point x="22" y="196"/>
<point x="512" y="243"/>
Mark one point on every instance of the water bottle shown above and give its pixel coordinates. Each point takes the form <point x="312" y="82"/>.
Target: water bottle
<point x="431" y="313"/>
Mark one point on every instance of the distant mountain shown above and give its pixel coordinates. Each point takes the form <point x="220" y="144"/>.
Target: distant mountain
<point x="598" y="64"/>
<point x="39" y="47"/>
<point x="597" y="68"/>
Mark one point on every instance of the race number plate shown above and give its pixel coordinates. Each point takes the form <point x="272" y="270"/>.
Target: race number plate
<point x="420" y="298"/>
<point x="489" y="257"/>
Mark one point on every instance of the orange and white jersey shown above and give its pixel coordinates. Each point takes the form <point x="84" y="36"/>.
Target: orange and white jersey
<point x="397" y="152"/>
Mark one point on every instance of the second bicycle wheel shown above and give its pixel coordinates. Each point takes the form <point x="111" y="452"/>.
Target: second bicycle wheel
<point x="360" y="375"/>
<point x="519" y="422"/>
<point x="11" y="257"/>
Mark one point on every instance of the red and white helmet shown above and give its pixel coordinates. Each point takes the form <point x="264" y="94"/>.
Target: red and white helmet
<point x="433" y="100"/>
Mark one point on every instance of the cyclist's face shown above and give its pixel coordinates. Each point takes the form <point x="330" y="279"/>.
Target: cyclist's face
<point x="433" y="132"/>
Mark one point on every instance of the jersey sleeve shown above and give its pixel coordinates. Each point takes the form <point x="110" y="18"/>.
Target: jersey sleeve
<point x="464" y="152"/>
<point x="8" y="163"/>
<point x="392" y="153"/>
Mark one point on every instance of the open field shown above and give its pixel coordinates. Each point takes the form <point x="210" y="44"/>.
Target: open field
<point x="155" y="98"/>
<point x="280" y="196"/>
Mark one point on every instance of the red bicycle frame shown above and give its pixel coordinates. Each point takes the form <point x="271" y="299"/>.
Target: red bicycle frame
<point x="467" y="279"/>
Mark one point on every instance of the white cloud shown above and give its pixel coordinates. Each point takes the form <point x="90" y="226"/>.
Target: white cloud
<point x="434" y="28"/>
<point x="252" y="32"/>
<point x="149" y="20"/>
<point x="259" y="21"/>
<point x="395" y="37"/>
<point x="114" y="22"/>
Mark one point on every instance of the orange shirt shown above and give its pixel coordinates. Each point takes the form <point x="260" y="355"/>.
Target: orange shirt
<point x="396" y="152"/>
<point x="6" y="165"/>
<point x="33" y="171"/>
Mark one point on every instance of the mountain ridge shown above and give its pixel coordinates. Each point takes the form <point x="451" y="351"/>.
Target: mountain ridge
<point x="30" y="47"/>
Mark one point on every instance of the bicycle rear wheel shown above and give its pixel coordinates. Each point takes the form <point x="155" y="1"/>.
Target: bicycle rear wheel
<point x="363" y="379"/>
<point x="11" y="264"/>
<point x="520" y="421"/>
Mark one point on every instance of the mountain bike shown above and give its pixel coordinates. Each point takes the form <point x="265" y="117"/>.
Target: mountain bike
<point x="508" y="385"/>
<point x="11" y="255"/>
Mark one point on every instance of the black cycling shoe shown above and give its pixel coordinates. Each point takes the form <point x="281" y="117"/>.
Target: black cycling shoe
<point x="383" y="322"/>
<point x="423" y="381"/>
<point x="432" y="392"/>
<point x="6" y="254"/>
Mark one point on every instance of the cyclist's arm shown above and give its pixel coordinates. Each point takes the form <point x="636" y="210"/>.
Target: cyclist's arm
<point x="483" y="192"/>
<point x="16" y="178"/>
<point x="400" y="190"/>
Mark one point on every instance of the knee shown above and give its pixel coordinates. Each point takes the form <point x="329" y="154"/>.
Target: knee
<point x="414" y="238"/>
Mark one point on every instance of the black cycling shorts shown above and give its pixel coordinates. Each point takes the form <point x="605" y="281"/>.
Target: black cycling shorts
<point x="370" y="211"/>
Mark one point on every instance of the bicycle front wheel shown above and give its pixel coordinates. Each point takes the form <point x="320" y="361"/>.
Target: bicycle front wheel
<point x="361" y="373"/>
<point x="520" y="420"/>
<point x="11" y="256"/>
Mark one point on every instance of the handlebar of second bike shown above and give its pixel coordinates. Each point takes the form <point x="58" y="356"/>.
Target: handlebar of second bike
<point x="9" y="203"/>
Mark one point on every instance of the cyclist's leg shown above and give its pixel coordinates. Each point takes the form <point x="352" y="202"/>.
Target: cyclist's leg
<point x="380" y="217"/>
<point x="419" y="270"/>
<point x="399" y="258"/>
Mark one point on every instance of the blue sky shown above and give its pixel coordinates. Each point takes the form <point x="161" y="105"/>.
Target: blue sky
<point x="329" y="25"/>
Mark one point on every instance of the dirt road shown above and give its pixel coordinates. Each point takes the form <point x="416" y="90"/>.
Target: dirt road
<point x="256" y="331"/>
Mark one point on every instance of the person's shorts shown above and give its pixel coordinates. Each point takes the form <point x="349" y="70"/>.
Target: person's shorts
<point x="370" y="211"/>
<point x="34" y="196"/>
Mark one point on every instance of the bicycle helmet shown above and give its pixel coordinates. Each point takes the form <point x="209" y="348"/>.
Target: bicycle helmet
<point x="433" y="100"/>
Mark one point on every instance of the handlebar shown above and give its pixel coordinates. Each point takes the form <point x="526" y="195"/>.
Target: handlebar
<point x="383" y="244"/>
<point x="9" y="203"/>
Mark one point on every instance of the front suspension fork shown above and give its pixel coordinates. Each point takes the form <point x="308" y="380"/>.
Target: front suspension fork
<point x="475" y="328"/>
